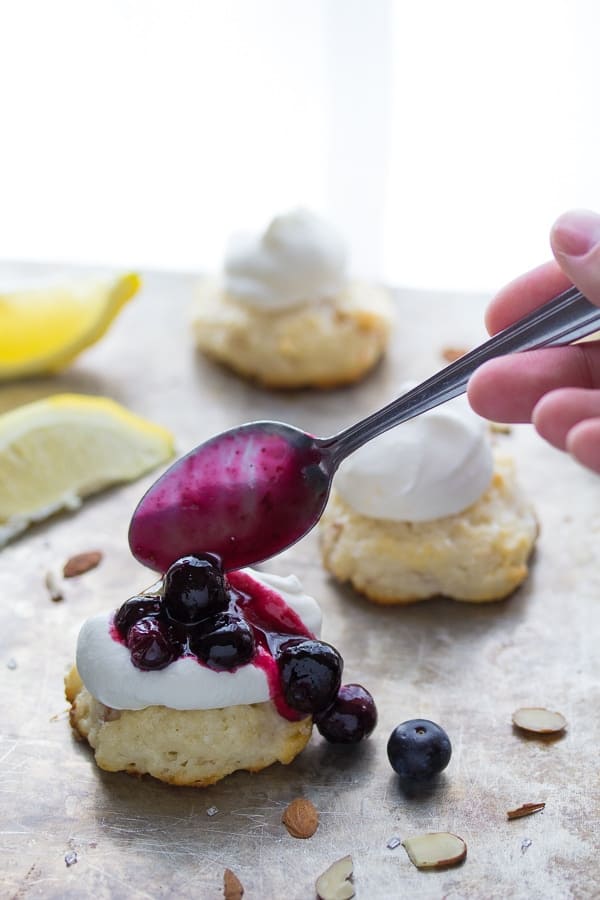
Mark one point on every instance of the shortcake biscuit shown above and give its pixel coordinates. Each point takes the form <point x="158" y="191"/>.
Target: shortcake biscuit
<point x="195" y="747"/>
<point x="321" y="345"/>
<point x="476" y="555"/>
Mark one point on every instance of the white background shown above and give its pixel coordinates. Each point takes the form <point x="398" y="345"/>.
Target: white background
<point x="442" y="137"/>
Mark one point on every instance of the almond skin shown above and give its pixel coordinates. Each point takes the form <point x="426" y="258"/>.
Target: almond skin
<point x="301" y="818"/>
<point x="81" y="562"/>
<point x="526" y="809"/>
<point x="232" y="886"/>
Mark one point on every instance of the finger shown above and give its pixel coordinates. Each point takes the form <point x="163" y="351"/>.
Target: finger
<point x="575" y="240"/>
<point x="524" y="294"/>
<point x="583" y="442"/>
<point x="508" y="388"/>
<point x="558" y="412"/>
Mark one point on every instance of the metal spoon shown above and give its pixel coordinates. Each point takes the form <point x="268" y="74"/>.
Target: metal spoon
<point x="253" y="491"/>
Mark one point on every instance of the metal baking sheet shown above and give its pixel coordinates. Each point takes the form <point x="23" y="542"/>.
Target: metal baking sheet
<point x="69" y="830"/>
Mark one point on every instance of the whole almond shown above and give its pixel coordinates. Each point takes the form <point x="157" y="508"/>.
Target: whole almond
<point x="232" y="886"/>
<point x="81" y="562"/>
<point x="301" y="818"/>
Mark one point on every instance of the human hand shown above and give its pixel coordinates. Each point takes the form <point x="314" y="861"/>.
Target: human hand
<point x="557" y="388"/>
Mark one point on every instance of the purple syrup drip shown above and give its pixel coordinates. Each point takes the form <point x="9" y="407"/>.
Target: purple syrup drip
<point x="244" y="495"/>
<point x="115" y="633"/>
<point x="265" y="608"/>
<point x="273" y="622"/>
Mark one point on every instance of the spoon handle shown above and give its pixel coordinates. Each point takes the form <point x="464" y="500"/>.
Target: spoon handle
<point x="562" y="320"/>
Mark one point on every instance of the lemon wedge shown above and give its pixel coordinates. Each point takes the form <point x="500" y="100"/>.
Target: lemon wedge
<point x="44" y="329"/>
<point x="56" y="451"/>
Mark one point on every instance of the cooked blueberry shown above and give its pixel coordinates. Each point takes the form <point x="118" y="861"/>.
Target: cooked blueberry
<point x="418" y="749"/>
<point x="224" y="643"/>
<point x="178" y="635"/>
<point x="310" y="672"/>
<point x="149" y="644"/>
<point x="351" y="717"/>
<point x="195" y="589"/>
<point x="134" y="609"/>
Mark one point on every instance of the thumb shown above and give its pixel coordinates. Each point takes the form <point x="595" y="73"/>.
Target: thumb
<point x="575" y="240"/>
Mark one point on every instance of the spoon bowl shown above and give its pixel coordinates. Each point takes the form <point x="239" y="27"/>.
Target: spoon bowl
<point x="244" y="495"/>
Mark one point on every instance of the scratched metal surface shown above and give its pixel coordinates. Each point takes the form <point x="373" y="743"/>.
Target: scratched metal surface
<point x="467" y="667"/>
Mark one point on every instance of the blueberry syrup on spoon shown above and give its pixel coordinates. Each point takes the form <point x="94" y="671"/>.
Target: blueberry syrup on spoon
<point x="243" y="495"/>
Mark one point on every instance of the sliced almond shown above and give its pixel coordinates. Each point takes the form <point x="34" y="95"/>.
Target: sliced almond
<point x="334" y="883"/>
<point x="54" y="587"/>
<point x="539" y="720"/>
<point x="232" y="886"/>
<point x="301" y="818"/>
<point x="526" y="809"/>
<point x="435" y="850"/>
<point x="81" y="562"/>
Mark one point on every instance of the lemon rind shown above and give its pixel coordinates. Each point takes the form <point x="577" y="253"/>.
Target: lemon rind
<point x="119" y="292"/>
<point x="150" y="445"/>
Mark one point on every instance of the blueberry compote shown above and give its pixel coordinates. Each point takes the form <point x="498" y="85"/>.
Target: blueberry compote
<point x="194" y="589"/>
<point x="351" y="717"/>
<point x="226" y="622"/>
<point x="311" y="674"/>
<point x="148" y="640"/>
<point x="229" y="642"/>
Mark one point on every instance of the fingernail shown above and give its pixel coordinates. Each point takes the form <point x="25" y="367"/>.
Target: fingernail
<point x="576" y="233"/>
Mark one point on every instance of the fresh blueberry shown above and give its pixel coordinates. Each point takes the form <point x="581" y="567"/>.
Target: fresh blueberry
<point x="133" y="610"/>
<point x="224" y="643"/>
<point x="351" y="717"/>
<point x="418" y="749"/>
<point x="194" y="589"/>
<point x="311" y="673"/>
<point x="149" y="644"/>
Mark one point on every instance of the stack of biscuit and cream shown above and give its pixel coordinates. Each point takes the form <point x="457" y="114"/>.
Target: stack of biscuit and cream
<point x="285" y="311"/>
<point x="427" y="509"/>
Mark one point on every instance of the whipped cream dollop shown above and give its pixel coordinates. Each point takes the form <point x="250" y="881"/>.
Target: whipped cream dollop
<point x="300" y="258"/>
<point x="106" y="669"/>
<point x="432" y="466"/>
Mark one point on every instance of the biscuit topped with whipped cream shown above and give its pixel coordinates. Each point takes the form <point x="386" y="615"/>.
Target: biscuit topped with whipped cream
<point x="286" y="313"/>
<point x="429" y="509"/>
<point x="204" y="674"/>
